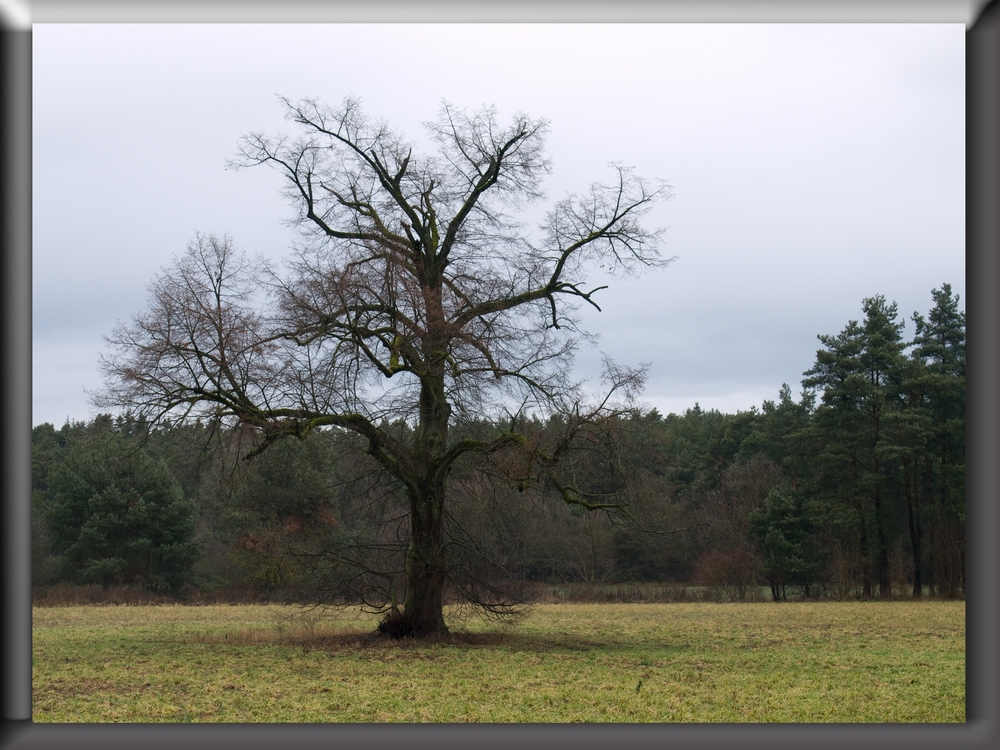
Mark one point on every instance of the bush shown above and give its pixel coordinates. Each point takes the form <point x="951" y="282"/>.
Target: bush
<point x="727" y="574"/>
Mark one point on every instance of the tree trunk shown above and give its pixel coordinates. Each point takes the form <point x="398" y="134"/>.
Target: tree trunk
<point x="882" y="556"/>
<point x="866" y="576"/>
<point x="916" y="532"/>
<point x="423" y="603"/>
<point x="882" y="543"/>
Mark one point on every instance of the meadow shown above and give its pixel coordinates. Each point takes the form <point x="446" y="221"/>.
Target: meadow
<point x="898" y="661"/>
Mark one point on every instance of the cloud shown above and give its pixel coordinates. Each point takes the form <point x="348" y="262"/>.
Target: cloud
<point x="812" y="166"/>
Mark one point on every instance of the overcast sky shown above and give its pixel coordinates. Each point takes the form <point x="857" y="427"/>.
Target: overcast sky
<point x="812" y="166"/>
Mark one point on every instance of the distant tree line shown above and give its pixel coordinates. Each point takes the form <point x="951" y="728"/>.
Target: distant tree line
<point x="856" y="490"/>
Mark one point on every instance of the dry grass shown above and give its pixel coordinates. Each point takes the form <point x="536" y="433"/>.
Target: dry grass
<point x="795" y="662"/>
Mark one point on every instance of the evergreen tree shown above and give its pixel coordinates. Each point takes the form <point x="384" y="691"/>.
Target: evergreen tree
<point x="782" y="530"/>
<point x="938" y="389"/>
<point x="48" y="448"/>
<point x="861" y="373"/>
<point x="118" y="517"/>
<point x="783" y="432"/>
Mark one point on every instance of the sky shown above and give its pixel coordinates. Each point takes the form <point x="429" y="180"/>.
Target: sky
<point x="812" y="166"/>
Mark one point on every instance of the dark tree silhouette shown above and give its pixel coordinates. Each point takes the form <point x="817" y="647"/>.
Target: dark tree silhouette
<point x="415" y="294"/>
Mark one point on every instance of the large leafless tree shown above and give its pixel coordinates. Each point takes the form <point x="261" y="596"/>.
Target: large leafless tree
<point x="414" y="293"/>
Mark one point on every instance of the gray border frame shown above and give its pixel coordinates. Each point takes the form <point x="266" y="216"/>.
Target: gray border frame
<point x="492" y="11"/>
<point x="982" y="729"/>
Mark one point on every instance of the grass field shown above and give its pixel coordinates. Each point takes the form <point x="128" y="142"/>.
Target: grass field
<point x="762" y="662"/>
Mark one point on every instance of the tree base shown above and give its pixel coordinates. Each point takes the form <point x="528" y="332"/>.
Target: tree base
<point x="402" y="625"/>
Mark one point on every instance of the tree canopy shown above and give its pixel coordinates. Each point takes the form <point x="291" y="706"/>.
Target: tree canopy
<point x="415" y="293"/>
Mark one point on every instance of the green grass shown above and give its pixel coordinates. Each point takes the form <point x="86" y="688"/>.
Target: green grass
<point x="762" y="662"/>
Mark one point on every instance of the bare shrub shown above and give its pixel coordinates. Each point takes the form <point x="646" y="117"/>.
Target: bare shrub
<point x="71" y="595"/>
<point x="727" y="574"/>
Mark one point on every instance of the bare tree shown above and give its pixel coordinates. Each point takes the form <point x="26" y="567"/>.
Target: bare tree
<point x="414" y="293"/>
<point x="732" y="561"/>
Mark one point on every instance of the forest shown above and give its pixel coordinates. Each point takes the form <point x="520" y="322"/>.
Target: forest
<point x="854" y="491"/>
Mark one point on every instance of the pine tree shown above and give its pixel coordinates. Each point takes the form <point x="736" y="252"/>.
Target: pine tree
<point x="117" y="517"/>
<point x="861" y="374"/>
<point x="782" y="530"/>
<point x="938" y="389"/>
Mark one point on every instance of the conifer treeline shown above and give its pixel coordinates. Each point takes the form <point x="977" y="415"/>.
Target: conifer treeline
<point x="855" y="490"/>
